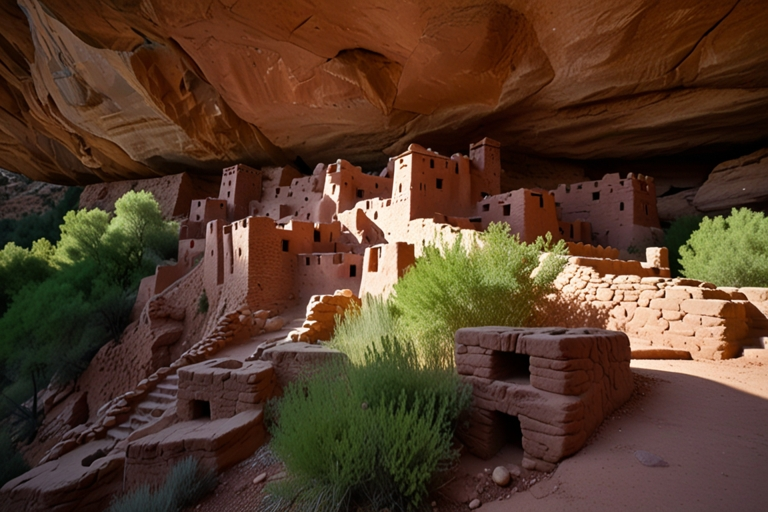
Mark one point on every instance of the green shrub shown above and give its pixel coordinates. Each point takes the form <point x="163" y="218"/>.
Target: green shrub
<point x="184" y="486"/>
<point x="730" y="251"/>
<point x="373" y="434"/>
<point x="676" y="236"/>
<point x="202" y="303"/>
<point x="491" y="283"/>
<point x="363" y="327"/>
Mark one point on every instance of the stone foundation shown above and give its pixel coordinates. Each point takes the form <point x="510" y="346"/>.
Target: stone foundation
<point x="559" y="383"/>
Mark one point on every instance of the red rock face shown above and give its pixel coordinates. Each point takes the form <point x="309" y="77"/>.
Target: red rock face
<point x="113" y="90"/>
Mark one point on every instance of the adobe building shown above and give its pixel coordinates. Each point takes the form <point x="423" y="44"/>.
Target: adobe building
<point x="622" y="212"/>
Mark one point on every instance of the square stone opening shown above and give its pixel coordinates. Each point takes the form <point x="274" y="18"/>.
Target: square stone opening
<point x="513" y="432"/>
<point x="201" y="409"/>
<point x="511" y="367"/>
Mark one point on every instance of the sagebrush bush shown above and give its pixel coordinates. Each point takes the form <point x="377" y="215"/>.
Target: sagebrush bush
<point x="364" y="326"/>
<point x="185" y="485"/>
<point x="729" y="251"/>
<point x="373" y="434"/>
<point x="676" y="236"/>
<point x="497" y="281"/>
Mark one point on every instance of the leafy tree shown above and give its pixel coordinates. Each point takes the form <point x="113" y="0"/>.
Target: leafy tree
<point x="675" y="236"/>
<point x="495" y="282"/>
<point x="19" y="267"/>
<point x="81" y="236"/>
<point x="729" y="251"/>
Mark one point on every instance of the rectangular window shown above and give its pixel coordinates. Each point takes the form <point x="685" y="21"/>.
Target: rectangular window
<point x="439" y="183"/>
<point x="621" y="207"/>
<point x="507" y="209"/>
<point x="317" y="235"/>
<point x="486" y="207"/>
<point x="285" y="245"/>
<point x="359" y="193"/>
<point x="595" y="196"/>
<point x="353" y="271"/>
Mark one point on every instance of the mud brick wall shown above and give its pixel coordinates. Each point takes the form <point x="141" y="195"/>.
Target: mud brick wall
<point x="226" y="385"/>
<point x="321" y="316"/>
<point x="559" y="383"/>
<point x="679" y="314"/>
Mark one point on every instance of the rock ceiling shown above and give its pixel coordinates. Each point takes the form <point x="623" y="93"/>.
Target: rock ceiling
<point x="110" y="89"/>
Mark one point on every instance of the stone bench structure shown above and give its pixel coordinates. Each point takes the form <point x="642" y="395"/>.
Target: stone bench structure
<point x="559" y="383"/>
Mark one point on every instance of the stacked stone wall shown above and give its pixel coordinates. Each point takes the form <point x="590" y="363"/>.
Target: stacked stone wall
<point x="559" y="383"/>
<point x="683" y="315"/>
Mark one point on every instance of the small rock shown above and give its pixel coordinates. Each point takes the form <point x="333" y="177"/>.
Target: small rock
<point x="514" y="470"/>
<point x="259" y="478"/>
<point x="474" y="504"/>
<point x="651" y="460"/>
<point x="501" y="476"/>
<point x="274" y="324"/>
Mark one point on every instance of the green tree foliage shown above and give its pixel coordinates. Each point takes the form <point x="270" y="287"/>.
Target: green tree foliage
<point x="676" y="236"/>
<point x="729" y="251"/>
<point x="497" y="281"/>
<point x="20" y="267"/>
<point x="64" y="303"/>
<point x="373" y="434"/>
<point x="185" y="485"/>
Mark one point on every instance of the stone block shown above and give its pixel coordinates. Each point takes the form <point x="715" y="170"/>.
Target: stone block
<point x="714" y="308"/>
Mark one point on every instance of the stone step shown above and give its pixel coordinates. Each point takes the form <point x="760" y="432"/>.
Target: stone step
<point x="148" y="407"/>
<point x="167" y="389"/>
<point x="755" y="354"/>
<point x="119" y="432"/>
<point x="162" y="398"/>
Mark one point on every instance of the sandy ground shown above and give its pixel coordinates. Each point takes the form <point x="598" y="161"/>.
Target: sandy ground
<point x="707" y="420"/>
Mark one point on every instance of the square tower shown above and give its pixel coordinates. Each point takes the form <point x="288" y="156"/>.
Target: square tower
<point x="239" y="185"/>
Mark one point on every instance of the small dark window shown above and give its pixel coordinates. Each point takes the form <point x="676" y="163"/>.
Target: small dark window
<point x="228" y="193"/>
<point x="353" y="271"/>
<point x="646" y="209"/>
<point x="400" y="188"/>
<point x="595" y="196"/>
<point x="431" y="163"/>
<point x="307" y="259"/>
<point x="486" y="207"/>
<point x="567" y="189"/>
<point x="457" y="168"/>
<point x="439" y="183"/>
<point x="571" y="231"/>
<point x="285" y="245"/>
<point x="578" y="187"/>
<point x="317" y="235"/>
<point x="507" y="210"/>
<point x="359" y="193"/>
<point x="621" y="207"/>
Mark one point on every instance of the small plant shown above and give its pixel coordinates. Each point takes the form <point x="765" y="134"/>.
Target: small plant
<point x="202" y="303"/>
<point x="363" y="327"/>
<point x="368" y="435"/>
<point x="184" y="486"/>
<point x="729" y="251"/>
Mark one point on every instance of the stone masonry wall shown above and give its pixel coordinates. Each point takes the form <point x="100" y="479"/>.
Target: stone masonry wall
<point x="683" y="315"/>
<point x="559" y="383"/>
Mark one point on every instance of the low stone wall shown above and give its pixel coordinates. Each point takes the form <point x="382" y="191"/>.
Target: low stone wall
<point x="682" y="315"/>
<point x="559" y="383"/>
<point x="215" y="444"/>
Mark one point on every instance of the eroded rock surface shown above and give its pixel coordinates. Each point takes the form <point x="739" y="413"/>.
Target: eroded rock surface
<point x="100" y="91"/>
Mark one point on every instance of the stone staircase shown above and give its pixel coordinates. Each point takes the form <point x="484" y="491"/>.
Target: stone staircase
<point x="148" y="410"/>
